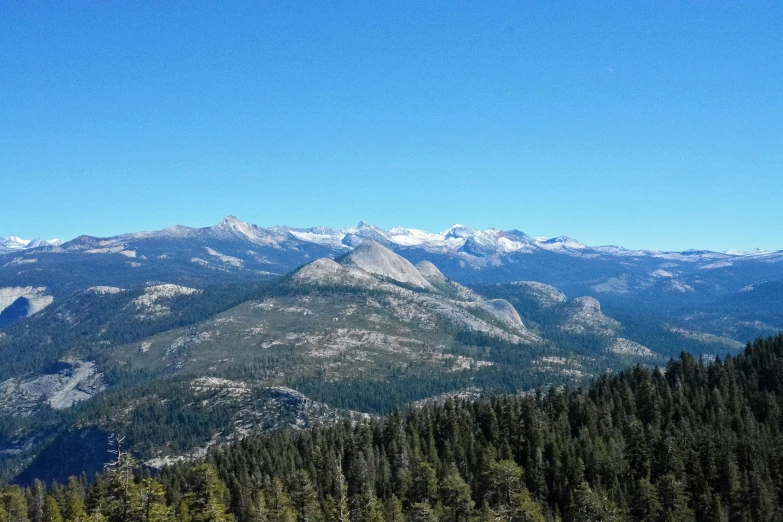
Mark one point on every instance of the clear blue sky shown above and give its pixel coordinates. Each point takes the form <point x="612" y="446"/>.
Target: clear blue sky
<point x="645" y="124"/>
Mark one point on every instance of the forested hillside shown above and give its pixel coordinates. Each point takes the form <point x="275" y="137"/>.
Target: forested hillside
<point x="693" y="442"/>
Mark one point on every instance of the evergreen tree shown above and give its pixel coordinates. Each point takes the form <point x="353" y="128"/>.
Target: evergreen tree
<point x="339" y="508"/>
<point x="505" y="480"/>
<point x="455" y="494"/>
<point x="260" y="513"/>
<point x="279" y="504"/>
<point x="152" y="501"/>
<point x="392" y="510"/>
<point x="73" y="502"/>
<point x="37" y="501"/>
<point x="424" y="484"/>
<point x="207" y="496"/>
<point x="422" y="512"/>
<point x="304" y="499"/>
<point x="367" y="508"/>
<point x="51" y="511"/>
<point x="645" y="506"/>
<point x="591" y="506"/>
<point x="14" y="504"/>
<point x="525" y="509"/>
<point x="674" y="499"/>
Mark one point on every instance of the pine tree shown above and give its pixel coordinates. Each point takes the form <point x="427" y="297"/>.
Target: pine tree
<point x="367" y="508"/>
<point x="182" y="513"/>
<point x="645" y="506"/>
<point x="14" y="504"/>
<point x="51" y="511"/>
<point x="304" y="499"/>
<point x="119" y="497"/>
<point x="525" y="509"/>
<point x="421" y="512"/>
<point x="455" y="495"/>
<point x="339" y="509"/>
<point x="152" y="501"/>
<point x="37" y="501"/>
<point x="260" y="512"/>
<point x="392" y="510"/>
<point x="424" y="484"/>
<point x="279" y="504"/>
<point x="208" y="496"/>
<point x="73" y="502"/>
<point x="674" y="499"/>
<point x="505" y="480"/>
<point x="591" y="506"/>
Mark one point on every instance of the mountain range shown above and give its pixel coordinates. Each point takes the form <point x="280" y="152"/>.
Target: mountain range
<point x="713" y="289"/>
<point x="186" y="338"/>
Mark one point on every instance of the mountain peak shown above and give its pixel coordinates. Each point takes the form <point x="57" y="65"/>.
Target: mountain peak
<point x="430" y="272"/>
<point x="238" y="227"/>
<point x="232" y="221"/>
<point x="375" y="258"/>
<point x="17" y="239"/>
<point x="458" y="231"/>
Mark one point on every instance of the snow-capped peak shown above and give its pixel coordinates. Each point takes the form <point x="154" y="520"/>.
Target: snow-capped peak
<point x="459" y="231"/>
<point x="17" y="239"/>
<point x="560" y="243"/>
<point x="16" y="243"/>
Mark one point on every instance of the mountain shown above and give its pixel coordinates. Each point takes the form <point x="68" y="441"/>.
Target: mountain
<point x="701" y="288"/>
<point x="186" y="338"/>
<point x="15" y="244"/>
<point x="177" y="369"/>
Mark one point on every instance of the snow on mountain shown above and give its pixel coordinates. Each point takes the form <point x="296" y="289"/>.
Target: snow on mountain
<point x="16" y="244"/>
<point x="561" y="244"/>
<point x="320" y="235"/>
<point x="471" y="244"/>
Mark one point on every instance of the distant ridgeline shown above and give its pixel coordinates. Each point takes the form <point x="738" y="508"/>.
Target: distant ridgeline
<point x="696" y="442"/>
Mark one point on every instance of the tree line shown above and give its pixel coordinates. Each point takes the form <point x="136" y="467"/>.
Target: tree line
<point x="691" y="442"/>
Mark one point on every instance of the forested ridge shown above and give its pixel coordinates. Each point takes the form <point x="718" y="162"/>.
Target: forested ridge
<point x="695" y="441"/>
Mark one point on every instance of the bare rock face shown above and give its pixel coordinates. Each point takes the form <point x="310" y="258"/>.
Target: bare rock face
<point x="376" y="259"/>
<point x="154" y="301"/>
<point x="329" y="272"/>
<point x="546" y="295"/>
<point x="36" y="296"/>
<point x="625" y="347"/>
<point x="71" y="382"/>
<point x="105" y="290"/>
<point x="587" y="304"/>
<point x="585" y="317"/>
<point x="430" y="272"/>
<point x="318" y="270"/>
<point x="504" y="311"/>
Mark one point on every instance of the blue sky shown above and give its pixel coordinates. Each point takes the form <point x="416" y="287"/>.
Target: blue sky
<point x="645" y="124"/>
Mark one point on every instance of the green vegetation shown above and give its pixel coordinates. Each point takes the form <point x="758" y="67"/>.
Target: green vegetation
<point x="694" y="442"/>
